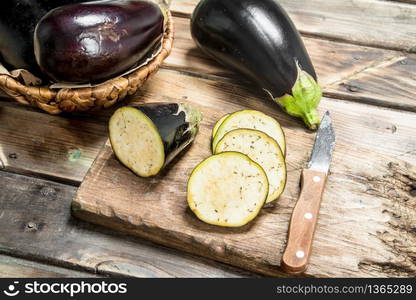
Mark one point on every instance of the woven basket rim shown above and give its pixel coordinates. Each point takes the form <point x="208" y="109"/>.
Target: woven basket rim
<point x="59" y="100"/>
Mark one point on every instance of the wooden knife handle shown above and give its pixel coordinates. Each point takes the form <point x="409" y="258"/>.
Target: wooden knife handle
<point x="303" y="222"/>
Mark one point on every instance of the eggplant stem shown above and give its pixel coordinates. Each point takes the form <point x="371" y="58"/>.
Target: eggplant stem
<point x="304" y="99"/>
<point x="311" y="119"/>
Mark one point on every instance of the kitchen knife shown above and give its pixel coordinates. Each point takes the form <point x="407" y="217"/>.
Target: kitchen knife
<point x="305" y="214"/>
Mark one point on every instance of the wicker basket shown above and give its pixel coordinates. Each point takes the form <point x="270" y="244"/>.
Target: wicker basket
<point x="55" y="101"/>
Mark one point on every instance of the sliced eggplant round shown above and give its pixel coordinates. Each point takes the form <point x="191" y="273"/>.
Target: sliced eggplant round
<point x="264" y="150"/>
<point x="146" y="138"/>
<point x="251" y="119"/>
<point x="227" y="189"/>
<point x="218" y="124"/>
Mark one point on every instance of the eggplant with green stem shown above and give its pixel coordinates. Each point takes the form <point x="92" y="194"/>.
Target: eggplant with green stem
<point x="146" y="138"/>
<point x="258" y="39"/>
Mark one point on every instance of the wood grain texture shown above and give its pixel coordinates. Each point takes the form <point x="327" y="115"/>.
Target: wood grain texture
<point x="367" y="203"/>
<point x="58" y="147"/>
<point x="389" y="83"/>
<point x="12" y="267"/>
<point x="36" y="224"/>
<point x="353" y="21"/>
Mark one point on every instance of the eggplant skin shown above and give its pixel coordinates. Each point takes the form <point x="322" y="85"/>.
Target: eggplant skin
<point x="98" y="40"/>
<point x="18" y="19"/>
<point x="254" y="37"/>
<point x="177" y="124"/>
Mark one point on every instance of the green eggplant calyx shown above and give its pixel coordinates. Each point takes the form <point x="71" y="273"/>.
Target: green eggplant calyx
<point x="192" y="116"/>
<point x="305" y="98"/>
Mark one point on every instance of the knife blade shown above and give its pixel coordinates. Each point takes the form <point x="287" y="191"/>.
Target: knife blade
<point x="323" y="147"/>
<point x="305" y="213"/>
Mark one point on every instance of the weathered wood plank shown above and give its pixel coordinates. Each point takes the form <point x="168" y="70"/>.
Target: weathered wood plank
<point x="354" y="21"/>
<point x="59" y="147"/>
<point x="368" y="201"/>
<point x="12" y="267"/>
<point x="336" y="63"/>
<point x="35" y="223"/>
<point x="391" y="83"/>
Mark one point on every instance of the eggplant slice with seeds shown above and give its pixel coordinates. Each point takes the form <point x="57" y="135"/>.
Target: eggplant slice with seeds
<point x="263" y="150"/>
<point x="146" y="138"/>
<point x="251" y="119"/>
<point x="227" y="189"/>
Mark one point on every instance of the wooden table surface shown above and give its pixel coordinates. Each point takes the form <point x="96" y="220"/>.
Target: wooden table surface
<point x="364" y="52"/>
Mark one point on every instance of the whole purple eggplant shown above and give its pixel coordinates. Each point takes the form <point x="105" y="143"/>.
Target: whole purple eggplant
<point x="258" y="39"/>
<point x="96" y="41"/>
<point x="18" y="19"/>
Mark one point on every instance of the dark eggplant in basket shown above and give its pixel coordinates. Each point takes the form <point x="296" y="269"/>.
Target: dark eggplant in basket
<point x="258" y="39"/>
<point x="98" y="40"/>
<point x="18" y="19"/>
<point x="146" y="138"/>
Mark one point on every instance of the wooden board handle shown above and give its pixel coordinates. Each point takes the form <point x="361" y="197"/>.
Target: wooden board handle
<point x="303" y="222"/>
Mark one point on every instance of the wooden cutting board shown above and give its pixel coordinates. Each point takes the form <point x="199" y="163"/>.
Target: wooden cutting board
<point x="364" y="209"/>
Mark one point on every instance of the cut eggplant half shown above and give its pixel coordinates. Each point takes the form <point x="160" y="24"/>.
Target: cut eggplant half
<point x="227" y="189"/>
<point x="218" y="124"/>
<point x="263" y="150"/>
<point x="251" y="119"/>
<point x="146" y="138"/>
